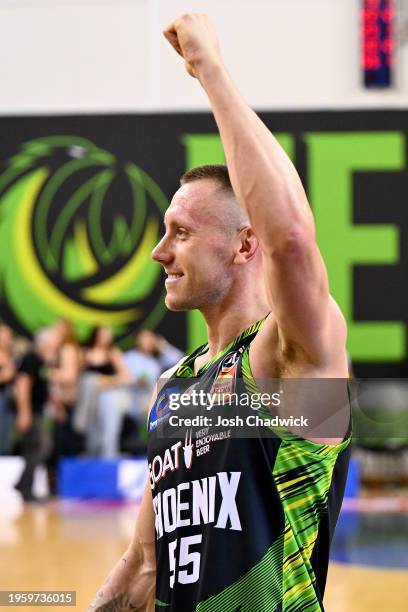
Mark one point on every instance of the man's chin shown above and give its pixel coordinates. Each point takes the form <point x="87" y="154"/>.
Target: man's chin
<point x="176" y="305"/>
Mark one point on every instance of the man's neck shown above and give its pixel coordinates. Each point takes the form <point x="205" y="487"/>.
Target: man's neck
<point x="225" y="325"/>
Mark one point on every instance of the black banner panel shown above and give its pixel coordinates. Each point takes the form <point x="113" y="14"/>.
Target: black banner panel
<point x="82" y="200"/>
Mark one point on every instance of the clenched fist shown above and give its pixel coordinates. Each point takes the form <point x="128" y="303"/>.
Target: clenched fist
<point x="193" y="37"/>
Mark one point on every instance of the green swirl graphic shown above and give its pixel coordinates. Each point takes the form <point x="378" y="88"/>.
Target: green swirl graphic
<point x="76" y="232"/>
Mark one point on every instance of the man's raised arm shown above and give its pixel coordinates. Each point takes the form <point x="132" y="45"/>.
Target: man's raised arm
<point x="268" y="186"/>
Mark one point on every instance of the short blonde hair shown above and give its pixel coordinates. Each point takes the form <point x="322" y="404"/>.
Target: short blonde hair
<point x="236" y="217"/>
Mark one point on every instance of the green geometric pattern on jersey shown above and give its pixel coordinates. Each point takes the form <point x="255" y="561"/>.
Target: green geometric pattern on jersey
<point x="256" y="591"/>
<point x="302" y="473"/>
<point x="303" y="480"/>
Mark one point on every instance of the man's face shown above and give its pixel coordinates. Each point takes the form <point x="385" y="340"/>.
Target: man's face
<point x="196" y="250"/>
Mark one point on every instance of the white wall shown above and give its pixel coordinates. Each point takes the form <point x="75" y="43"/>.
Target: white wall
<point x="64" y="56"/>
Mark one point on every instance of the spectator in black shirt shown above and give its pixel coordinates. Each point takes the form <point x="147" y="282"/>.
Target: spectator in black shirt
<point x="7" y="372"/>
<point x="31" y="395"/>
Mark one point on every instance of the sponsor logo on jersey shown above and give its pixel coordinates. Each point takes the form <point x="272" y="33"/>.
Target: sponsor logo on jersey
<point x="160" y="467"/>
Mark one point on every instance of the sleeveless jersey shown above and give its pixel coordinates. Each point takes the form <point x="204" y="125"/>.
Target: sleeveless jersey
<point x="242" y="525"/>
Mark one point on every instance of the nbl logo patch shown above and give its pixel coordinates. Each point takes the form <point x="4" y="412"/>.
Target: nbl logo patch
<point x="225" y="379"/>
<point x="161" y="407"/>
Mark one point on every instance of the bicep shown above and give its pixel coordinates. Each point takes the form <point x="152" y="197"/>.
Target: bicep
<point x="298" y="292"/>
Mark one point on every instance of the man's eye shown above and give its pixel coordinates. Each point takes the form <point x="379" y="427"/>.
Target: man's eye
<point x="181" y="233"/>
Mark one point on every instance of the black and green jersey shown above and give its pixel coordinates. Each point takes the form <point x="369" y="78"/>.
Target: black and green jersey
<point x="242" y="525"/>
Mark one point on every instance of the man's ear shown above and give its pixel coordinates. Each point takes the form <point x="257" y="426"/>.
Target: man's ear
<point x="248" y="246"/>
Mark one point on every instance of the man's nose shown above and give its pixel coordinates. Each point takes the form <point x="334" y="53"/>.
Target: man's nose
<point x="161" y="252"/>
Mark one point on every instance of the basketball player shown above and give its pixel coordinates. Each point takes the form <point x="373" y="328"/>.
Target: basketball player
<point x="246" y="525"/>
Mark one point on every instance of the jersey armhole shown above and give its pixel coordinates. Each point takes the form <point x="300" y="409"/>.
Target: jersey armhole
<point x="303" y="444"/>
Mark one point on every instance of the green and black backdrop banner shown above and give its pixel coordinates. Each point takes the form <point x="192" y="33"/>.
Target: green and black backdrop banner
<point x="82" y="200"/>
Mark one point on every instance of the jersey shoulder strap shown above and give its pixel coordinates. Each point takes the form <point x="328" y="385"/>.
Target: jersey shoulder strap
<point x="186" y="368"/>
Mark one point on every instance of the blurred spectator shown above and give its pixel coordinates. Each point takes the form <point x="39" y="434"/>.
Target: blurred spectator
<point x="92" y="392"/>
<point x="7" y="371"/>
<point x="64" y="394"/>
<point x="152" y="344"/>
<point x="102" y="402"/>
<point x="102" y="357"/>
<point x="150" y="357"/>
<point x="65" y="376"/>
<point x="145" y="370"/>
<point x="31" y="395"/>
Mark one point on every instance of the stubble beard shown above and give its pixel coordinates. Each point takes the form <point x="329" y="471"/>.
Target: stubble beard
<point x="198" y="300"/>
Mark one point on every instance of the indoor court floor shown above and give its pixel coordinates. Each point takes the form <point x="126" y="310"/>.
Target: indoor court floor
<point x="72" y="546"/>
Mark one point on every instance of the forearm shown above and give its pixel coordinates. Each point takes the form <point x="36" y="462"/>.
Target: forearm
<point x="263" y="177"/>
<point x="24" y="408"/>
<point x="130" y="586"/>
<point x="23" y="403"/>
